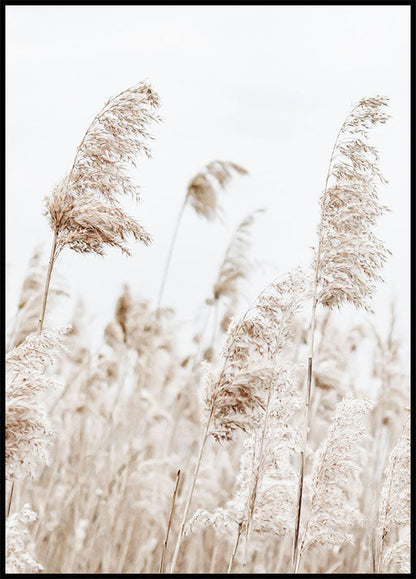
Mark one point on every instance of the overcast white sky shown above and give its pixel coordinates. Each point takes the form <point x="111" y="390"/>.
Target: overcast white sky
<point x="265" y="87"/>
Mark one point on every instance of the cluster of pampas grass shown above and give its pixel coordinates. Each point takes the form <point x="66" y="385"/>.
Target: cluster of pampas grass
<point x="230" y="454"/>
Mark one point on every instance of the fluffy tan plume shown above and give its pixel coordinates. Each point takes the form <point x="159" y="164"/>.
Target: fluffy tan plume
<point x="28" y="432"/>
<point x="237" y="392"/>
<point x="202" y="193"/>
<point x="335" y="477"/>
<point x="350" y="256"/>
<point x="394" y="512"/>
<point x="18" y="559"/>
<point x="265" y="493"/>
<point x="84" y="209"/>
<point x="235" y="266"/>
<point x="27" y="315"/>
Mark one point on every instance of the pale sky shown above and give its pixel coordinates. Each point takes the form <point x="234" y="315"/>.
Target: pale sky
<point x="265" y="87"/>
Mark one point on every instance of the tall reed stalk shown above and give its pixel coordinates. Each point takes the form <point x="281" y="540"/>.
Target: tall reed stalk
<point x="191" y="490"/>
<point x="202" y="196"/>
<point x="48" y="281"/>
<point x="170" y="253"/>
<point x="349" y="207"/>
<point x="231" y="405"/>
<point x="234" y="552"/>
<point x="172" y="508"/>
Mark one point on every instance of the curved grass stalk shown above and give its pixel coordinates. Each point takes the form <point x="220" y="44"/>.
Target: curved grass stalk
<point x="172" y="508"/>
<point x="359" y="176"/>
<point x="191" y="490"/>
<point x="170" y="253"/>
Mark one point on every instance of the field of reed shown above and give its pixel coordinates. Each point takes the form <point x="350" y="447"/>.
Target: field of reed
<point x="249" y="447"/>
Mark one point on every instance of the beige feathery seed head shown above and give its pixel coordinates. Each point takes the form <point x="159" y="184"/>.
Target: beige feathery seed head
<point x="28" y="432"/>
<point x="228" y="316"/>
<point x="350" y="255"/>
<point x="333" y="356"/>
<point x="394" y="512"/>
<point x="201" y="191"/>
<point x="252" y="344"/>
<point x="266" y="484"/>
<point x="334" y="477"/>
<point x="123" y="307"/>
<point x="28" y="309"/>
<point x="84" y="209"/>
<point x="18" y="559"/>
<point x="138" y="326"/>
<point x="388" y="367"/>
<point x="236" y="265"/>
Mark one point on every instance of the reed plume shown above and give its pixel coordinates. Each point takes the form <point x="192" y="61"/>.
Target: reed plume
<point x="202" y="195"/>
<point x="129" y="416"/>
<point x="234" y="396"/>
<point x="394" y="510"/>
<point x="18" y="559"/>
<point x="349" y="256"/>
<point x="234" y="269"/>
<point x="388" y="367"/>
<point x="334" y="477"/>
<point x="28" y="432"/>
<point x="250" y="350"/>
<point x="266" y="485"/>
<point x="84" y="210"/>
<point x="235" y="266"/>
<point x="27" y="316"/>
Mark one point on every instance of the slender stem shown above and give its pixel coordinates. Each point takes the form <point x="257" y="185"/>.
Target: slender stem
<point x="233" y="554"/>
<point x="48" y="280"/>
<point x="191" y="490"/>
<point x="123" y="365"/>
<point x="253" y="493"/>
<point x="302" y="549"/>
<point x="196" y="359"/>
<point x="213" y="558"/>
<point x="170" y="252"/>
<point x="308" y="385"/>
<point x="126" y="545"/>
<point x="202" y="446"/>
<point x="10" y="498"/>
<point x="172" y="508"/>
<point x="215" y="324"/>
<point x="181" y="399"/>
<point x="12" y="337"/>
<point x="55" y="238"/>
<point x="384" y="520"/>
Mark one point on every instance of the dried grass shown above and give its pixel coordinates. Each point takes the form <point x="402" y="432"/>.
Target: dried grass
<point x="143" y="432"/>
